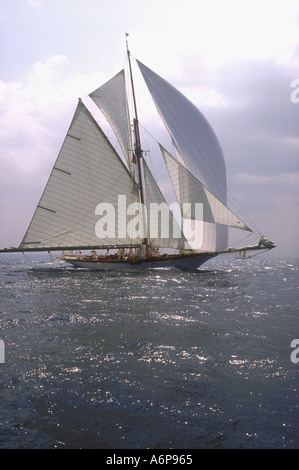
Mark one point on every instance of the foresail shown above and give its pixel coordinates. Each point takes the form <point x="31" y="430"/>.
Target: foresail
<point x="164" y="230"/>
<point x="111" y="98"/>
<point x="87" y="172"/>
<point x="191" y="191"/>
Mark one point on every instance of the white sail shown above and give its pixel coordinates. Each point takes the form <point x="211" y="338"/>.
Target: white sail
<point x="163" y="228"/>
<point x="195" y="145"/>
<point x="191" y="191"/>
<point x="87" y="172"/>
<point x="111" y="98"/>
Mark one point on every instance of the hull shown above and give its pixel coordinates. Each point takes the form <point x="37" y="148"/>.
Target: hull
<point x="185" y="262"/>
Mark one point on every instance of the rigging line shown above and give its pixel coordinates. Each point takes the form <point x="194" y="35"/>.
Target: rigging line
<point x="53" y="260"/>
<point x="237" y="205"/>
<point x="241" y="241"/>
<point x="258" y="253"/>
<point x="32" y="262"/>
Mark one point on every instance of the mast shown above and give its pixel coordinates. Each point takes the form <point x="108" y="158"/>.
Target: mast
<point x="138" y="149"/>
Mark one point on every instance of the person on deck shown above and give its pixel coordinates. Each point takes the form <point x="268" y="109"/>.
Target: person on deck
<point x="142" y="250"/>
<point x="121" y="253"/>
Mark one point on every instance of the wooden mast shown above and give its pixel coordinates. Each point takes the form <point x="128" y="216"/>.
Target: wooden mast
<point x="138" y="149"/>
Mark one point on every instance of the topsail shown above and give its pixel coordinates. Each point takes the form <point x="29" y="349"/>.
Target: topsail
<point x="111" y="98"/>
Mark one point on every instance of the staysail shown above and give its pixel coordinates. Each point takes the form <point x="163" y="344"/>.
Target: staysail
<point x="88" y="171"/>
<point x="189" y="190"/>
<point x="195" y="145"/>
<point x="164" y="230"/>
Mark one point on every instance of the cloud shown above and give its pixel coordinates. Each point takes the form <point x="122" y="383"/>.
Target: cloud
<point x="256" y="123"/>
<point x="34" y="3"/>
<point x="34" y="110"/>
<point x="289" y="178"/>
<point x="34" y="116"/>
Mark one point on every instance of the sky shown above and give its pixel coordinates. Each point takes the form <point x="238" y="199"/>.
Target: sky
<point x="237" y="60"/>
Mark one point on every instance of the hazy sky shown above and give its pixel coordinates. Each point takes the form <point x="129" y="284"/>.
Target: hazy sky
<point x="238" y="61"/>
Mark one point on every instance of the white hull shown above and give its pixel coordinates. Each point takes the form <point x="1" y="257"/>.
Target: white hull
<point x="187" y="262"/>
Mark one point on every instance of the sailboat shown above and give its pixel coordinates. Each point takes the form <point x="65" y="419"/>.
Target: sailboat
<point x="104" y="198"/>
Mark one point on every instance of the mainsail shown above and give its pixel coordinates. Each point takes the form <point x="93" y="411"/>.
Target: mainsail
<point x="87" y="172"/>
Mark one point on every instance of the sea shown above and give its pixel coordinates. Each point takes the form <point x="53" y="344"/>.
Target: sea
<point x="156" y="359"/>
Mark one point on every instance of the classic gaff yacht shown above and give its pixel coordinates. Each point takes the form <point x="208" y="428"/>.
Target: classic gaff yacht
<point x="98" y="198"/>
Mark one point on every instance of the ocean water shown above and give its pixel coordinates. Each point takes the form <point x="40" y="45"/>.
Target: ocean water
<point x="160" y="359"/>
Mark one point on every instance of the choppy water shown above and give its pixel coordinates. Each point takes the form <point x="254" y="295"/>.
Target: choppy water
<point x="156" y="359"/>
